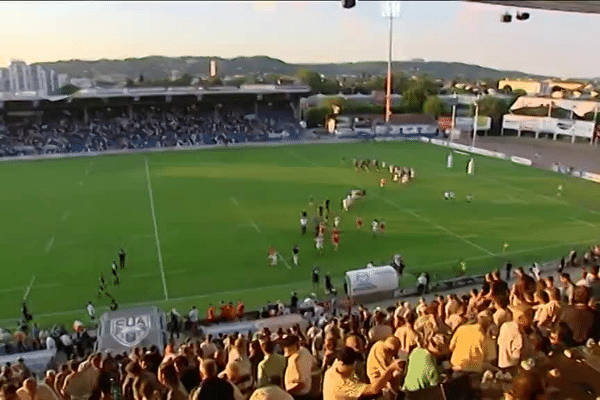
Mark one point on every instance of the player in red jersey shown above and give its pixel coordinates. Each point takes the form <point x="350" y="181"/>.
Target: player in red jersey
<point x="382" y="226"/>
<point x="359" y="222"/>
<point x="335" y="238"/>
<point x="272" y="257"/>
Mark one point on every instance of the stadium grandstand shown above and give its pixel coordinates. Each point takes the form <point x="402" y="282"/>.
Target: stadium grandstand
<point x="93" y="120"/>
<point x="432" y="329"/>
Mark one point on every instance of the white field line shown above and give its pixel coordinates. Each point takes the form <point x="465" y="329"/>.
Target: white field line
<point x="285" y="285"/>
<point x="43" y="286"/>
<point x="510" y="253"/>
<point x="26" y="295"/>
<point x="549" y="198"/>
<point x="174" y="272"/>
<point x="440" y="227"/>
<point x="582" y="222"/>
<point x="255" y="226"/>
<point x="449" y="232"/>
<point x="160" y="260"/>
<point x="65" y="215"/>
<point x="283" y="259"/>
<point x="49" y="245"/>
<point x="237" y="204"/>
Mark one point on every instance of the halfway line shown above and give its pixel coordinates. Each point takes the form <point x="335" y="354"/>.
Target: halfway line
<point x="160" y="260"/>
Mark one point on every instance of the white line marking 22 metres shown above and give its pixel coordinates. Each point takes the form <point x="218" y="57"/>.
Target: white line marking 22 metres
<point x="29" y="288"/>
<point x="49" y="245"/>
<point x="160" y="260"/>
<point x="582" y="222"/>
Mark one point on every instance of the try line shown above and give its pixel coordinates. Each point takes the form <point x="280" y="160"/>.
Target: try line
<point x="160" y="260"/>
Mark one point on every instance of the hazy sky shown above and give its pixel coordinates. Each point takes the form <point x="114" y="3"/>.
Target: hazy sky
<point x="560" y="44"/>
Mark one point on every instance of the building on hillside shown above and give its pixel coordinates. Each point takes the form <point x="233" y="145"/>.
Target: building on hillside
<point x="545" y="87"/>
<point x="399" y="124"/>
<point x="529" y="86"/>
<point x="214" y="69"/>
<point x="20" y="77"/>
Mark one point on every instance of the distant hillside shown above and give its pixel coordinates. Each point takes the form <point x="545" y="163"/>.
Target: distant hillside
<point x="158" y="67"/>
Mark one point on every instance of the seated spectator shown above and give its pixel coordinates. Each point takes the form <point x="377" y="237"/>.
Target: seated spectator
<point x="213" y="387"/>
<point x="340" y="381"/>
<point x="578" y="317"/>
<point x="32" y="391"/>
<point x="300" y="370"/>
<point x="271" y="391"/>
<point x="422" y="369"/>
<point x="407" y="335"/>
<point x="273" y="364"/>
<point x="356" y="343"/>
<point x="472" y="348"/>
<point x="514" y="342"/>
<point x="381" y="356"/>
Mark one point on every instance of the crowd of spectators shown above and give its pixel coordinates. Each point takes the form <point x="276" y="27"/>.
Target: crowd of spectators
<point x="458" y="344"/>
<point x="146" y="127"/>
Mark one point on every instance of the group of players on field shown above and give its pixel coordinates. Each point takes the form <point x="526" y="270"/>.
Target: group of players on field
<point x="397" y="174"/>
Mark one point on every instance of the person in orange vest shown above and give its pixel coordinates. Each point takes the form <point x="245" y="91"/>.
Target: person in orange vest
<point x="230" y="311"/>
<point x="335" y="238"/>
<point x="240" y="309"/>
<point x="382" y="226"/>
<point x="210" y="313"/>
<point x="223" y="310"/>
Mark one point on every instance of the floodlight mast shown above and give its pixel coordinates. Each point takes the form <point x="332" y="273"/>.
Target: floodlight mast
<point x="391" y="10"/>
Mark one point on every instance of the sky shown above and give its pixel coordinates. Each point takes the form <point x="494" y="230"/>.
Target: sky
<point x="549" y="43"/>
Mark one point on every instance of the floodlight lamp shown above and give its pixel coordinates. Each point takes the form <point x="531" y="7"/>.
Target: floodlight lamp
<point x="522" y="16"/>
<point x="506" y="18"/>
<point x="348" y="3"/>
<point x="391" y="9"/>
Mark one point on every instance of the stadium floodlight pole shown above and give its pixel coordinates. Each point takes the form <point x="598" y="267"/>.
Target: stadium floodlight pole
<point x="391" y="10"/>
<point x="475" y="121"/>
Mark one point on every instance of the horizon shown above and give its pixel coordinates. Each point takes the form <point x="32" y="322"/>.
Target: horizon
<point x="300" y="33"/>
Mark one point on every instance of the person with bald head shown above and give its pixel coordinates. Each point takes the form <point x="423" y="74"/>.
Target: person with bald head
<point x="31" y="391"/>
<point x="213" y="387"/>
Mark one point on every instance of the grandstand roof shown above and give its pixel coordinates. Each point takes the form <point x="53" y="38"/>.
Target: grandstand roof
<point x="589" y="7"/>
<point x="159" y="91"/>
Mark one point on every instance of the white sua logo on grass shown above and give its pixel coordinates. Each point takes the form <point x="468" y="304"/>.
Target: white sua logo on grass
<point x="130" y="331"/>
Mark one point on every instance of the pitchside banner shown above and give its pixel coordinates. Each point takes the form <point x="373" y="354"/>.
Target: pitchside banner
<point x="548" y="125"/>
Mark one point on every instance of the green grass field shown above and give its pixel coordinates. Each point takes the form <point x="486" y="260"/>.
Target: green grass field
<point x="219" y="210"/>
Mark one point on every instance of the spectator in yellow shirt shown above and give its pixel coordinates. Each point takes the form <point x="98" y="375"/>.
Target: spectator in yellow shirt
<point x="472" y="348"/>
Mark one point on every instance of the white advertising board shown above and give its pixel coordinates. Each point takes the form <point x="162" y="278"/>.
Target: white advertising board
<point x="549" y="125"/>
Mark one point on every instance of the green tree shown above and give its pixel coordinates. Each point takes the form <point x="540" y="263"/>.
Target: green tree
<point x="336" y="101"/>
<point x="315" y="116"/>
<point x="214" y="81"/>
<point x="68" y="89"/>
<point x="310" y="78"/>
<point x="492" y="107"/>
<point x="414" y="99"/>
<point x="434" y="106"/>
<point x="516" y="94"/>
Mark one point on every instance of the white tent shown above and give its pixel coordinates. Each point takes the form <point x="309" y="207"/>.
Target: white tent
<point x="372" y="280"/>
